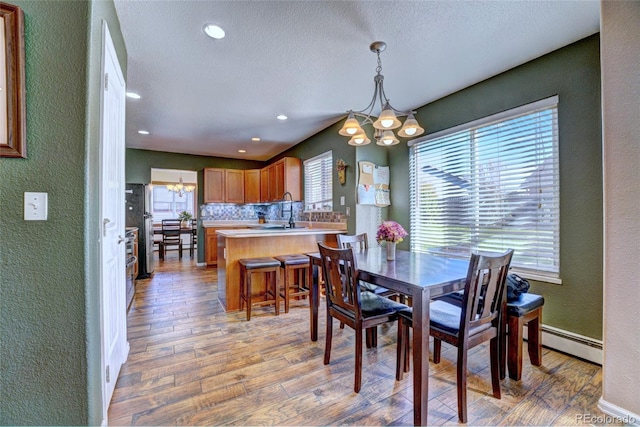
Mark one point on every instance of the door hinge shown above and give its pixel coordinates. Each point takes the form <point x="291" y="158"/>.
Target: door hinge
<point x="108" y="375"/>
<point x="106" y="81"/>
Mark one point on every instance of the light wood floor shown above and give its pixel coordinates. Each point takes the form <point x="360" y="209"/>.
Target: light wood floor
<point x="191" y="363"/>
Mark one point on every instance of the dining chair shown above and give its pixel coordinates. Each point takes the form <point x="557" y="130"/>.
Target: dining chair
<point x="360" y="242"/>
<point x="194" y="237"/>
<point x="360" y="310"/>
<point x="477" y="320"/>
<point x="171" y="236"/>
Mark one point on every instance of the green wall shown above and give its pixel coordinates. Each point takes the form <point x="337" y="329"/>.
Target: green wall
<point x="139" y="163"/>
<point x="573" y="73"/>
<point x="48" y="288"/>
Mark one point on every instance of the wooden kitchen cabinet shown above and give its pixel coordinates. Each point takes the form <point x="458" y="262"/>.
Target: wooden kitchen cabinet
<point x="252" y="186"/>
<point x="223" y="185"/>
<point x="210" y="246"/>
<point x="234" y="186"/>
<point x="214" y="185"/>
<point x="288" y="177"/>
<point x="255" y="185"/>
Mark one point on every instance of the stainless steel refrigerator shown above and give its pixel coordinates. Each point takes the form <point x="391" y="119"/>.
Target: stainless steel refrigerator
<point x="138" y="208"/>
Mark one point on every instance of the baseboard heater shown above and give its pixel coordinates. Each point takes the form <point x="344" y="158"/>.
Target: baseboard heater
<point x="574" y="344"/>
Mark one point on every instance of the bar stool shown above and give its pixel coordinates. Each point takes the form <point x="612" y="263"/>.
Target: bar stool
<point x="527" y="309"/>
<point x="299" y="265"/>
<point x="271" y="269"/>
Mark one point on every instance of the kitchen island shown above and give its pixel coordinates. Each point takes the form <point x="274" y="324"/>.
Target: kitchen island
<point x="236" y="244"/>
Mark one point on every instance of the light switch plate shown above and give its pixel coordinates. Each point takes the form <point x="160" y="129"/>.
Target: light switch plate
<point x="341" y="200"/>
<point x="35" y="206"/>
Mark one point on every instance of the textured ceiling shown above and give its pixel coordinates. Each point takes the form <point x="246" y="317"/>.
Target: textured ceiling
<point x="311" y="61"/>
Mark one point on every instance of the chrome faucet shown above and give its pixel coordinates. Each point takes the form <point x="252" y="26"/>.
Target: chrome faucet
<point x="290" y="210"/>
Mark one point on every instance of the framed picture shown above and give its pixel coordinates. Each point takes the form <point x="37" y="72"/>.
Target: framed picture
<point x="13" y="141"/>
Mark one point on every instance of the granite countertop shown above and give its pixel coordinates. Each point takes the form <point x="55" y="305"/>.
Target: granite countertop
<point x="273" y="232"/>
<point x="221" y="224"/>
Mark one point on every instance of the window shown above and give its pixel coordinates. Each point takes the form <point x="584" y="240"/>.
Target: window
<point x="318" y="184"/>
<point x="167" y="204"/>
<point x="491" y="185"/>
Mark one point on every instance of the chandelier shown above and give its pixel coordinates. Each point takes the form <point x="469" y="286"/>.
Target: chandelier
<point x="386" y="121"/>
<point x="180" y="188"/>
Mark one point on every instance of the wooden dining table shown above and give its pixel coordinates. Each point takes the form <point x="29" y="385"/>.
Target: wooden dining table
<point x="420" y="276"/>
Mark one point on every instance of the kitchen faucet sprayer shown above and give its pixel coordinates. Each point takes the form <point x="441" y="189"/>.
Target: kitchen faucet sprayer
<point x="290" y="210"/>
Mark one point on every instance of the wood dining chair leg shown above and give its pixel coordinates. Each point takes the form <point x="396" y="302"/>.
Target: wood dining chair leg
<point x="437" y="348"/>
<point x="401" y="350"/>
<point x="403" y="355"/>
<point x="327" y="341"/>
<point x="461" y="371"/>
<point x="358" y="377"/>
<point x="494" y="354"/>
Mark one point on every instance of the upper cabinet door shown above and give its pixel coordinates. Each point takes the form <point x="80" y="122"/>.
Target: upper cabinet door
<point x="278" y="171"/>
<point x="264" y="185"/>
<point x="235" y="185"/>
<point x="252" y="186"/>
<point x="214" y="185"/>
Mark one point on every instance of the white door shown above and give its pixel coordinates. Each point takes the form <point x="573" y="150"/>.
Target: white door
<point x="112" y="247"/>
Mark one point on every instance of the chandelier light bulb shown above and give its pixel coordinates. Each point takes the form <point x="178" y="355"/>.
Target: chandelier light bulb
<point x="387" y="138"/>
<point x="411" y="128"/>
<point x="387" y="119"/>
<point x="359" y="139"/>
<point x="351" y="126"/>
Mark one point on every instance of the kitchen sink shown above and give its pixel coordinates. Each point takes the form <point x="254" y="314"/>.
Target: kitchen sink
<point x="275" y="227"/>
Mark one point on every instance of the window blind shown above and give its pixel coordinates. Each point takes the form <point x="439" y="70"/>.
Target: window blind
<point x="490" y="186"/>
<point x="318" y="184"/>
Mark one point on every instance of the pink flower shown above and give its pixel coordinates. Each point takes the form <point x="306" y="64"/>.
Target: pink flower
<point x="390" y="231"/>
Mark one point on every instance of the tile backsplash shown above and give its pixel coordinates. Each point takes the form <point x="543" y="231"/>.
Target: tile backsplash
<point x="272" y="212"/>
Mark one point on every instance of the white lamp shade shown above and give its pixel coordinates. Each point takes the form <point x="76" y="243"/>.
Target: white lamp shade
<point x="351" y="126"/>
<point x="387" y="119"/>
<point x="359" y="139"/>
<point x="411" y="128"/>
<point x="388" y="139"/>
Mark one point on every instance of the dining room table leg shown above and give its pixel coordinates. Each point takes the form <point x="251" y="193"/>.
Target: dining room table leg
<point x="421" y="300"/>
<point x="314" y="299"/>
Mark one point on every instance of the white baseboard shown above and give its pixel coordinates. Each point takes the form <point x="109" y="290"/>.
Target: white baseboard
<point x="568" y="342"/>
<point x="201" y="264"/>
<point x="618" y="414"/>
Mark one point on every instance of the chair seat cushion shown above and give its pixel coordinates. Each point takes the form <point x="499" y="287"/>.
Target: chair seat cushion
<point x="295" y="259"/>
<point x="373" y="305"/>
<point x="444" y="317"/>
<point x="252" y="263"/>
<point x="524" y="304"/>
<point x="378" y="290"/>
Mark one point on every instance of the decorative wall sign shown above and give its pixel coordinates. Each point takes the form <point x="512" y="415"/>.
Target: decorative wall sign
<point x="13" y="141"/>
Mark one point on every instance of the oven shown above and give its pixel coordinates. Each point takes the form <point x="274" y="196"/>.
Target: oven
<point x="130" y="261"/>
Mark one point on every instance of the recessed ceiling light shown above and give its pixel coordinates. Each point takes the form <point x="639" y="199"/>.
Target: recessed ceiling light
<point x="281" y="117"/>
<point x="214" y="31"/>
<point x="242" y="151"/>
<point x="255" y="138"/>
<point x="133" y="95"/>
<point x="143" y="132"/>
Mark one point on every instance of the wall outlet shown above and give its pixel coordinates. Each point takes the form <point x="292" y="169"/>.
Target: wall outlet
<point x="341" y="200"/>
<point x="348" y="211"/>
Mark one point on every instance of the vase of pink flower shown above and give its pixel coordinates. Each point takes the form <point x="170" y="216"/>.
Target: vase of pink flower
<point x="392" y="233"/>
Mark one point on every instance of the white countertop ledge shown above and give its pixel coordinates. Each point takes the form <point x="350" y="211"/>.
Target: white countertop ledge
<point x="244" y="233"/>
